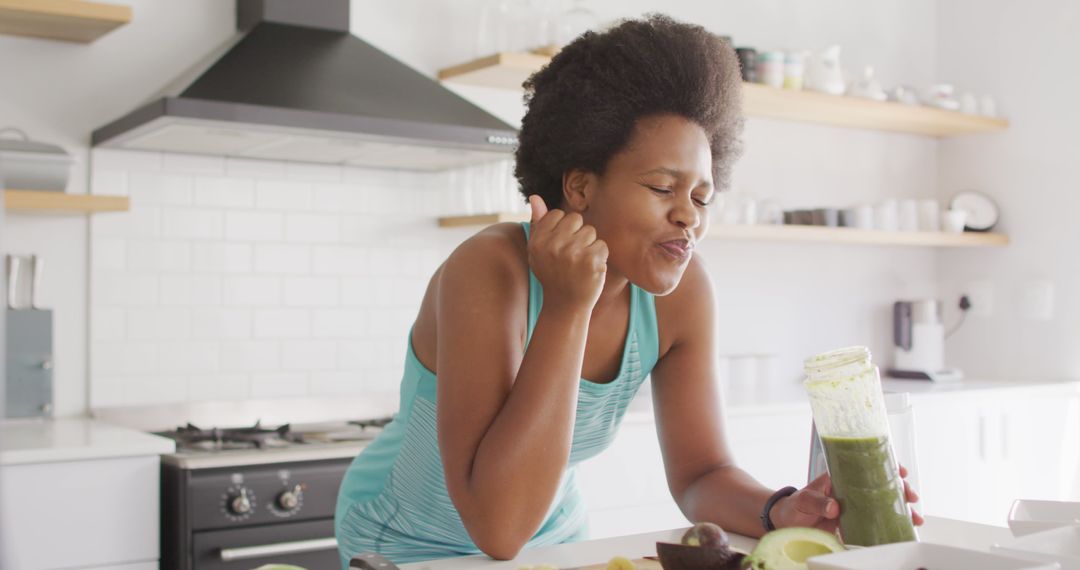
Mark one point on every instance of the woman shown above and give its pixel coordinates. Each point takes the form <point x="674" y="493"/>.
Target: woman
<point x="532" y="339"/>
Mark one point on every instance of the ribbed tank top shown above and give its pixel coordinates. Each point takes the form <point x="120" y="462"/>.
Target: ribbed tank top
<point x="393" y="499"/>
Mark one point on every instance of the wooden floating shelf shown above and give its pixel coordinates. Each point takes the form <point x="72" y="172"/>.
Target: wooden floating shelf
<point x="791" y="233"/>
<point x="67" y="20"/>
<point x="509" y="70"/>
<point x="61" y="203"/>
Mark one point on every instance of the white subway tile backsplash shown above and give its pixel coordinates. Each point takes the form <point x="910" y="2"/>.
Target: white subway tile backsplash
<point x="358" y="291"/>
<point x="236" y="278"/>
<point x="127" y="160"/>
<point x="189" y="357"/>
<point x="192" y="224"/>
<point x="158" y="324"/>
<point x="123" y="358"/>
<point x="254" y="169"/>
<point x="338" y="323"/>
<point x="288" y="259"/>
<point x="110" y="183"/>
<point x="138" y="223"/>
<point x="283" y="195"/>
<point x="108" y="254"/>
<point x="337" y="383"/>
<point x="115" y="289"/>
<point x="340" y="260"/>
<point x="221" y="257"/>
<point x="282" y="323"/>
<point x="312" y="228"/>
<point x="312" y="172"/>
<point x="308" y="355"/>
<point x="107" y="324"/>
<point x="190" y="290"/>
<point x="156" y="389"/>
<point x="193" y="164"/>
<point x="341" y="198"/>
<point x="221" y="324"/>
<point x="311" y="291"/>
<point x="250" y="356"/>
<point x="224" y="192"/>
<point x="149" y="188"/>
<point x="357" y="354"/>
<point x="150" y="256"/>
<point x="279" y="385"/>
<point x="252" y="291"/>
<point x="253" y="226"/>
<point x="210" y="387"/>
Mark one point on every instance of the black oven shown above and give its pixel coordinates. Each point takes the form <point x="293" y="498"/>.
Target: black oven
<point x="244" y="516"/>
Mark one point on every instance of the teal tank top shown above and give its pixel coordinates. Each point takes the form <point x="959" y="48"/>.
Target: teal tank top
<point x="393" y="499"/>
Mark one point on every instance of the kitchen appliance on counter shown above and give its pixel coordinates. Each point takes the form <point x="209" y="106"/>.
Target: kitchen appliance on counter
<point x="28" y="363"/>
<point x="238" y="494"/>
<point x="919" y="342"/>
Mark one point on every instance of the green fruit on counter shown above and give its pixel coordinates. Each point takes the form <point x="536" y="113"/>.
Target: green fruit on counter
<point x="788" y="548"/>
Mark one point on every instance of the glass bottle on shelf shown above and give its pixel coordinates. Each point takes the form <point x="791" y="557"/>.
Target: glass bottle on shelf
<point x="576" y="20"/>
<point x="511" y="26"/>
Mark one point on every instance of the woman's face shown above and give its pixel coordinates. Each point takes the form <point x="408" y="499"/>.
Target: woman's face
<point x="650" y="203"/>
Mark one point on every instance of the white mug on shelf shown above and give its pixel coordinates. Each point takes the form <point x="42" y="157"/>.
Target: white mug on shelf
<point x="929" y="216"/>
<point x="909" y="216"/>
<point x="953" y="220"/>
<point x="887" y="215"/>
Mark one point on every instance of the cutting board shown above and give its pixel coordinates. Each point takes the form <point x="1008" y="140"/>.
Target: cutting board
<point x="641" y="563"/>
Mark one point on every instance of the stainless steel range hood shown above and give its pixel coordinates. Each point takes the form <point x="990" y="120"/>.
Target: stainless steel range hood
<point x="298" y="86"/>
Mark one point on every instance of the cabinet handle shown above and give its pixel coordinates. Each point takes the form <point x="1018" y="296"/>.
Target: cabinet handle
<point x="247" y="552"/>
<point x="1005" y="437"/>
<point x="982" y="438"/>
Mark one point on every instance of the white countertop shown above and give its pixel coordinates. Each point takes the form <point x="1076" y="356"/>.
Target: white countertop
<point x="936" y="530"/>
<point x="71" y="439"/>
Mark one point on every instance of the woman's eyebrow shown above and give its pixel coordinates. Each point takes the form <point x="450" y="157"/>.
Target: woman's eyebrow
<point x="665" y="170"/>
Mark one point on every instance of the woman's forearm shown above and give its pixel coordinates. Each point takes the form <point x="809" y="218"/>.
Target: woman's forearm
<point x="516" y="471"/>
<point x="729" y="497"/>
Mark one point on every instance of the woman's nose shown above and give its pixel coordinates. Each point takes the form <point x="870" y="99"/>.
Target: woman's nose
<point x="685" y="214"/>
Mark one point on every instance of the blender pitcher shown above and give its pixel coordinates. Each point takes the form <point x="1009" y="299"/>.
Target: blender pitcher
<point x="851" y="421"/>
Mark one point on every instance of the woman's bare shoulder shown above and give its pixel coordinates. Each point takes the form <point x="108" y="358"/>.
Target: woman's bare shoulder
<point x="497" y="251"/>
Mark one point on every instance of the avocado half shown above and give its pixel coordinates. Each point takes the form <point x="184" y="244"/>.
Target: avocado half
<point x="685" y="557"/>
<point x="789" y="548"/>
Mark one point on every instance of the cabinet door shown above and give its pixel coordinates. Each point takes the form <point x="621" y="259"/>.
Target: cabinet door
<point x="1040" y="447"/>
<point x="75" y="514"/>
<point x="625" y="487"/>
<point x="948" y="449"/>
<point x="773" y="448"/>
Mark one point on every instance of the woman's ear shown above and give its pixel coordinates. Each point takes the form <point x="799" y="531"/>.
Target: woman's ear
<point x="577" y="187"/>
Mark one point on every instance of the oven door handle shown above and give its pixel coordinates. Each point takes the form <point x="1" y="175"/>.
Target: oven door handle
<point x="276" y="549"/>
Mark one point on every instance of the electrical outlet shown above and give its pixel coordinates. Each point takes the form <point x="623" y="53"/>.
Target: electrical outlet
<point x="981" y="296"/>
<point x="1036" y="300"/>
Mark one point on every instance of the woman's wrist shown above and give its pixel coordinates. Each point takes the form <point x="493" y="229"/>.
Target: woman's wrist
<point x="772" y="505"/>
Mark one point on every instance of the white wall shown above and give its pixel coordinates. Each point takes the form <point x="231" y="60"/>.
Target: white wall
<point x="1022" y="54"/>
<point x="779" y="299"/>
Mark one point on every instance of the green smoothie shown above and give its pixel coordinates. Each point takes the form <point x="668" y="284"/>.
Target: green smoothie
<point x="871" y="493"/>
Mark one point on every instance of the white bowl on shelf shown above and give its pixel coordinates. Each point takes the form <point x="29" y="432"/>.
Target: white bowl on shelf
<point x="1061" y="545"/>
<point x="912" y="555"/>
<point x="1027" y="517"/>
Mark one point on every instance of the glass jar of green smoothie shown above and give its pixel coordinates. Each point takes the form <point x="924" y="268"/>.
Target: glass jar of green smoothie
<point x="849" y="413"/>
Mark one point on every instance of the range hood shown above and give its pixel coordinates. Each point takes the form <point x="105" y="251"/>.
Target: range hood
<point x="298" y="86"/>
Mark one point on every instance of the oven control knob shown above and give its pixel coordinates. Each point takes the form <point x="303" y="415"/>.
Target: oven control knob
<point x="240" y="504"/>
<point x="289" y="499"/>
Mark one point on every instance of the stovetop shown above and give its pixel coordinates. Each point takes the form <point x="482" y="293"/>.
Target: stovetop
<point x="198" y="447"/>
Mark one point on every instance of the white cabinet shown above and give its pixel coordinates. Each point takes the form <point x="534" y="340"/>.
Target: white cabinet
<point x="978" y="450"/>
<point x="100" y="513"/>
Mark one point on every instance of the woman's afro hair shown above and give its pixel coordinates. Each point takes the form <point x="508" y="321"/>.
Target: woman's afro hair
<point x="582" y="107"/>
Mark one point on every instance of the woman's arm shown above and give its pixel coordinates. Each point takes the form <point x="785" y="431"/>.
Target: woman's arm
<point x="701" y="471"/>
<point x="505" y="429"/>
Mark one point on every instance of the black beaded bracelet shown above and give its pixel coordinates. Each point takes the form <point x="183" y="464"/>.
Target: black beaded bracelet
<point x="766" y="520"/>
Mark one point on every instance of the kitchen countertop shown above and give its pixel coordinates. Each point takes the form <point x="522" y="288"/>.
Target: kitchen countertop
<point x="70" y="439"/>
<point x="936" y="530"/>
